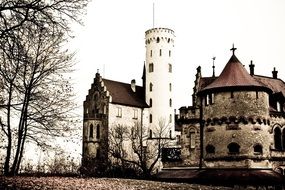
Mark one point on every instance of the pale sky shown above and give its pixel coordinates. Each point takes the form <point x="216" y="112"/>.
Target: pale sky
<point x="113" y="37"/>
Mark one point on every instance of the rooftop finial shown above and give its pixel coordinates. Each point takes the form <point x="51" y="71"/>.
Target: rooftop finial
<point x="153" y="15"/>
<point x="214" y="58"/>
<point x="233" y="49"/>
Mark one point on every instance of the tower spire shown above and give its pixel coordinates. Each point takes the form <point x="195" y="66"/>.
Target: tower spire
<point x="214" y="58"/>
<point x="153" y="15"/>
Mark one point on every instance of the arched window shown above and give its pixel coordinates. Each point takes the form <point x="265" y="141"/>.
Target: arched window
<point x="277" y="138"/>
<point x="169" y="68"/>
<point x="170" y="102"/>
<point x="192" y="138"/>
<point x="150" y="68"/>
<point x="98" y="131"/>
<point x="150" y="134"/>
<point x="233" y="148"/>
<point x="150" y="87"/>
<point x="210" y="149"/>
<point x="150" y="118"/>
<point x="283" y="138"/>
<point x="150" y="102"/>
<point x="257" y="149"/>
<point x="91" y="131"/>
<point x="157" y="40"/>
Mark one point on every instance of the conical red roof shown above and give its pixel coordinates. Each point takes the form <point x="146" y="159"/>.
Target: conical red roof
<point x="233" y="75"/>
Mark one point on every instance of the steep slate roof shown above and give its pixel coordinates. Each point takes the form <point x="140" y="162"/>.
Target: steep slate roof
<point x="276" y="85"/>
<point x="234" y="75"/>
<point x="123" y="94"/>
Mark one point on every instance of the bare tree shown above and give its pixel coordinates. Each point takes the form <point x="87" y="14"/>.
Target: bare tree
<point x="134" y="146"/>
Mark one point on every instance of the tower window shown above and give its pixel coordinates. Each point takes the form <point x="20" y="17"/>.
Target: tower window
<point x="170" y="87"/>
<point x="150" y="67"/>
<point x="150" y="118"/>
<point x="98" y="132"/>
<point x="210" y="149"/>
<point x="169" y="53"/>
<point x="119" y="112"/>
<point x="278" y="105"/>
<point x="157" y="40"/>
<point x="169" y="68"/>
<point x="150" y="102"/>
<point x="256" y="93"/>
<point x="232" y="94"/>
<point x="257" y="149"/>
<point x="150" y="87"/>
<point x="160" y="52"/>
<point x="234" y="148"/>
<point x="170" y="102"/>
<point x="168" y="40"/>
<point x="91" y="131"/>
<point x="150" y="134"/>
<point x="170" y="134"/>
<point x="170" y="118"/>
<point x="150" y="53"/>
<point x="277" y="138"/>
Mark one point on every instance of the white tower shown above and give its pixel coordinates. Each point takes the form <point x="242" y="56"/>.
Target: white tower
<point x="158" y="79"/>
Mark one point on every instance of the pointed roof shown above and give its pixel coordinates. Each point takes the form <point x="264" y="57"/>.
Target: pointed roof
<point x="234" y="75"/>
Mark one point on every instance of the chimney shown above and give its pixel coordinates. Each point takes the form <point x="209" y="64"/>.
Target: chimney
<point x="251" y="68"/>
<point x="274" y="73"/>
<point x="133" y="85"/>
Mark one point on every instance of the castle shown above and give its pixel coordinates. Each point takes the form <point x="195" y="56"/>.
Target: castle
<point x="237" y="119"/>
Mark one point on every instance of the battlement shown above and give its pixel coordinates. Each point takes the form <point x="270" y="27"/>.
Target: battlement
<point x="158" y="35"/>
<point x="156" y="30"/>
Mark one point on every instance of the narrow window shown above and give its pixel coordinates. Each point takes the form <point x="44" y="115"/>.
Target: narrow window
<point x="160" y="52"/>
<point x="150" y="134"/>
<point x="119" y="112"/>
<point x="150" y="53"/>
<point x="207" y="100"/>
<point x="150" y="118"/>
<point x="233" y="148"/>
<point x="257" y="149"/>
<point x="170" y="102"/>
<point x="157" y="40"/>
<point x="150" y="102"/>
<point x="278" y="106"/>
<point x="170" y="118"/>
<point x="104" y="109"/>
<point x="98" y="132"/>
<point x="98" y="153"/>
<point x="212" y="97"/>
<point x="135" y="114"/>
<point x="192" y="138"/>
<point x="170" y="134"/>
<point x="169" y="53"/>
<point x="277" y="138"/>
<point x="91" y="131"/>
<point x="210" y="149"/>
<point x="232" y="94"/>
<point x="170" y="87"/>
<point x="168" y="40"/>
<point x="256" y="94"/>
<point x="150" y="68"/>
<point x="169" y="68"/>
<point x="150" y="87"/>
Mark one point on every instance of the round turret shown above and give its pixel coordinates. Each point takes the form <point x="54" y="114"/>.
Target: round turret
<point x="158" y="82"/>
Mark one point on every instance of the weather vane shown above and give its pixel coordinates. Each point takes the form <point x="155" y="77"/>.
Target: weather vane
<point x="214" y="58"/>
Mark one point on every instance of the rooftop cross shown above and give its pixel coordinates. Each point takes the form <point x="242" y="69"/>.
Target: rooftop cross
<point x="214" y="58"/>
<point x="233" y="49"/>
